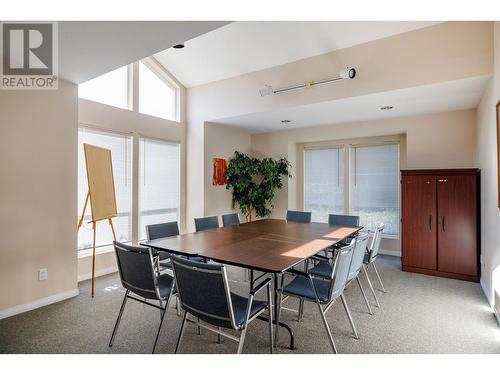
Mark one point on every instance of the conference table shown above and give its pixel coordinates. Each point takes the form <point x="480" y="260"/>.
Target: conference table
<point x="270" y="245"/>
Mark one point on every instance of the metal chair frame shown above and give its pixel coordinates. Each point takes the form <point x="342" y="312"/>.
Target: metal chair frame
<point x="327" y="304"/>
<point x="372" y="252"/>
<point x="242" y="328"/>
<point x="156" y="290"/>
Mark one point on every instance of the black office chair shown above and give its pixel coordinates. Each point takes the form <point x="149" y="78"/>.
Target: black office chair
<point x="298" y="216"/>
<point x="230" y="219"/>
<point x="206" y="223"/>
<point x="204" y="294"/>
<point x="347" y="220"/>
<point x="162" y="230"/>
<point x="138" y="276"/>
<point x="320" y="291"/>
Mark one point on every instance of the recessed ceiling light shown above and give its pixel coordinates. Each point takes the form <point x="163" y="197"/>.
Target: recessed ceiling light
<point x="386" y="107"/>
<point x="179" y="46"/>
<point x="286" y="121"/>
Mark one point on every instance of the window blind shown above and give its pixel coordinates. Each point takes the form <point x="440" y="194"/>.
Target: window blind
<point x="324" y="182"/>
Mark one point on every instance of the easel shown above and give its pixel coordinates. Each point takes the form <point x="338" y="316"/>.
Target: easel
<point x="94" y="226"/>
<point x="101" y="193"/>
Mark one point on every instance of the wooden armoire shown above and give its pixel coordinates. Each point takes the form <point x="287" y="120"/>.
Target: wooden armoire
<point x="440" y="222"/>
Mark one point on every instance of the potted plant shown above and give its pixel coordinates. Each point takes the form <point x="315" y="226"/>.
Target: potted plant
<point x="254" y="183"/>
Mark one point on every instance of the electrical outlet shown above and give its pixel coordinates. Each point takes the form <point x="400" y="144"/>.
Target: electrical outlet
<point x="42" y="274"/>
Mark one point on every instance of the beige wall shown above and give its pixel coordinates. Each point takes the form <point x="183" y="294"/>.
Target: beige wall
<point x="440" y="140"/>
<point x="38" y="163"/>
<point x="221" y="142"/>
<point x="487" y="155"/>
<point x="447" y="51"/>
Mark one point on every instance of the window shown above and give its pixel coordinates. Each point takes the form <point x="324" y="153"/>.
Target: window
<point x="159" y="174"/>
<point x="110" y="88"/>
<point x="374" y="186"/>
<point x="324" y="182"/>
<point x="157" y="96"/>
<point x="120" y="146"/>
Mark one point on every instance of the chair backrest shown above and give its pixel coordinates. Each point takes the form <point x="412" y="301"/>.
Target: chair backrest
<point x="343" y="220"/>
<point x="358" y="255"/>
<point x="298" y="216"/>
<point x="205" y="223"/>
<point x="340" y="270"/>
<point x="204" y="291"/>
<point x="375" y="245"/>
<point x="230" y="219"/>
<point x="162" y="230"/>
<point x="136" y="268"/>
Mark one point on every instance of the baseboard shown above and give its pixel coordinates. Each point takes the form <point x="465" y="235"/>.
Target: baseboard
<point x="11" y="311"/>
<point x="392" y="253"/>
<point x="102" y="272"/>
<point x="486" y="292"/>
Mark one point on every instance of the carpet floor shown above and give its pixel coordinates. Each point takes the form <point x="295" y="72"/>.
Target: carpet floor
<point x="418" y="314"/>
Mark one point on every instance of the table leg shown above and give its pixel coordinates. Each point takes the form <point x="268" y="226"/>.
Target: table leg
<point x="286" y="326"/>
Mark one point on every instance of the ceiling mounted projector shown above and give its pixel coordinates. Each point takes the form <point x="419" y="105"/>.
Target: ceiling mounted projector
<point x="347" y="73"/>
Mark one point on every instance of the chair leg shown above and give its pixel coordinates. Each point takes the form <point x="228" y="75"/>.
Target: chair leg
<point x="161" y="311"/>
<point x="118" y="319"/>
<point x="219" y="337"/>
<point x="199" y="327"/>
<point x="242" y="340"/>
<point x="351" y="322"/>
<point x="325" y="323"/>
<point x="181" y="332"/>
<point x="164" y="314"/>
<point x="178" y="305"/>
<point x="364" y="296"/>
<point x="378" y="277"/>
<point x="371" y="286"/>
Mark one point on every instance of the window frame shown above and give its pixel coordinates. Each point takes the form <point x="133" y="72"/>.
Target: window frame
<point x="162" y="74"/>
<point x="346" y="145"/>
<point x="135" y="160"/>
<point x="133" y="79"/>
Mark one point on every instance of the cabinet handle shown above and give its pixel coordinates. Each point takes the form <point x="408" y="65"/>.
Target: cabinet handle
<point x="430" y="222"/>
<point x="442" y="223"/>
<point x="442" y="180"/>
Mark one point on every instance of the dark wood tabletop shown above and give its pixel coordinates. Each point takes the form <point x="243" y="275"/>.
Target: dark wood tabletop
<point x="267" y="245"/>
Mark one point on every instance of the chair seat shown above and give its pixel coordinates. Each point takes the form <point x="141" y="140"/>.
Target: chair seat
<point x="165" y="282"/>
<point x="322" y="269"/>
<point x="240" y="307"/>
<point x="301" y="287"/>
<point x="163" y="255"/>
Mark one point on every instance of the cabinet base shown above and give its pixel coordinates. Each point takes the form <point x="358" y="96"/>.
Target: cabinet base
<point x="448" y="275"/>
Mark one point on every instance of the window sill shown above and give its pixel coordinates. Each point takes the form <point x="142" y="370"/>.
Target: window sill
<point x="100" y="250"/>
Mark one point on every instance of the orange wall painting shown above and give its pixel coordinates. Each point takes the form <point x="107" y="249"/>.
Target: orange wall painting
<point x="219" y="171"/>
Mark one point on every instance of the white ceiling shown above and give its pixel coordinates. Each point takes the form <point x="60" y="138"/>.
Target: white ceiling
<point x="89" y="49"/>
<point x="439" y="97"/>
<point x="247" y="46"/>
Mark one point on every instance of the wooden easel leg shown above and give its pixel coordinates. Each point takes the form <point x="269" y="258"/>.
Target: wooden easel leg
<point x="112" y="228"/>
<point x="93" y="260"/>
<point x="80" y="222"/>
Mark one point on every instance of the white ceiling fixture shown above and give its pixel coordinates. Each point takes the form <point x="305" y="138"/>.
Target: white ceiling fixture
<point x="433" y="98"/>
<point x="348" y="73"/>
<point x="247" y="46"/>
<point x="90" y="49"/>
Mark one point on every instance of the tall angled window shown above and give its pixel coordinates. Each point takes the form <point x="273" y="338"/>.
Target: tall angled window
<point x="324" y="182"/>
<point x="157" y="96"/>
<point x="110" y="88"/>
<point x="159" y="183"/>
<point x="374" y="186"/>
<point x="121" y="154"/>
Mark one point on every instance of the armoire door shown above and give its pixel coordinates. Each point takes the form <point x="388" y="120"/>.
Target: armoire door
<point x="419" y="221"/>
<point x="457" y="224"/>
